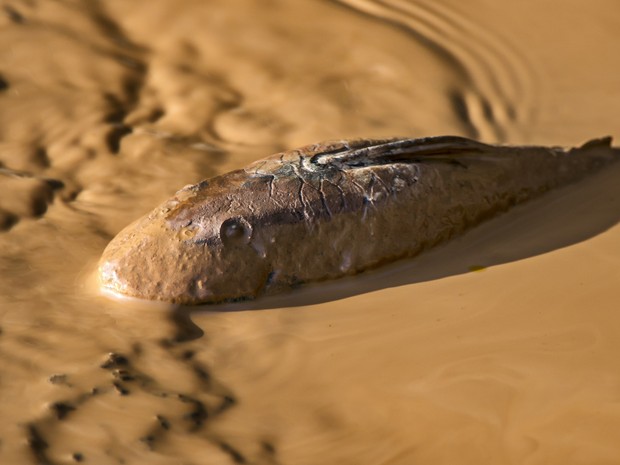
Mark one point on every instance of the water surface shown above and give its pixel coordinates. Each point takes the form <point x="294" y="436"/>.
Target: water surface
<point x="107" y="108"/>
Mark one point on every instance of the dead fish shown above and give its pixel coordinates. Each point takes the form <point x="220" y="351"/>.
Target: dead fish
<point x="328" y="210"/>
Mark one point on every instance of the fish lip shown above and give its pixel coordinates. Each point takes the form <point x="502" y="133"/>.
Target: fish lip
<point x="110" y="280"/>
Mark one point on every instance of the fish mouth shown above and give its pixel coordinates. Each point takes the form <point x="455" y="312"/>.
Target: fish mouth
<point x="154" y="277"/>
<point x="110" y="282"/>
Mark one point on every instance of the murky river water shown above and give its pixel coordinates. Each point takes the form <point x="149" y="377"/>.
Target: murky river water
<point x="107" y="108"/>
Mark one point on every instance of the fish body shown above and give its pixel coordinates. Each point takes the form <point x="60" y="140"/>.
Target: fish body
<point x="328" y="210"/>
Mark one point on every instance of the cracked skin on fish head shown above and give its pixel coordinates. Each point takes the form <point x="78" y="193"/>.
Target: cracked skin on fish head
<point x="187" y="249"/>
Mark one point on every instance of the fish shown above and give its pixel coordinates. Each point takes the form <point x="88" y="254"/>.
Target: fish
<point x="327" y="210"/>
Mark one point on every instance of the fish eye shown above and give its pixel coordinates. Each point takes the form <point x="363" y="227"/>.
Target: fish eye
<point x="235" y="231"/>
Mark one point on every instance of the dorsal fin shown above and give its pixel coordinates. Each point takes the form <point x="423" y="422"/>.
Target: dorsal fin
<point x="401" y="150"/>
<point x="601" y="142"/>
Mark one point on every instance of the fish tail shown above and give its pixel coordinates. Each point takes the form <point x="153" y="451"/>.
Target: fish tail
<point x="598" y="143"/>
<point x="600" y="148"/>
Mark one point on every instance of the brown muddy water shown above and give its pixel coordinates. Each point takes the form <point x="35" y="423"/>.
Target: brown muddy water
<point x="500" y="347"/>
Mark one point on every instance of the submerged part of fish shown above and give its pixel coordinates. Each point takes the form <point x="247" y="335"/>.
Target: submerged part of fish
<point x="328" y="210"/>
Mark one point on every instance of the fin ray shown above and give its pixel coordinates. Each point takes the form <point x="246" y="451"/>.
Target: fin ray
<point x="442" y="148"/>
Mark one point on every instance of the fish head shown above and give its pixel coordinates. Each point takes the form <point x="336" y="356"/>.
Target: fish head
<point x="200" y="246"/>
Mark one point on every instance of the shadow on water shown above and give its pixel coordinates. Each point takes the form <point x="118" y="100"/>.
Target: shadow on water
<point x="562" y="218"/>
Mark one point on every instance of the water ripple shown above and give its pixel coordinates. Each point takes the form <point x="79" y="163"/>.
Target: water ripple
<point x="496" y="93"/>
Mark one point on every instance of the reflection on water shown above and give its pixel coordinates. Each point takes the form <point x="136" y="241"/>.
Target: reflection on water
<point x="107" y="108"/>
